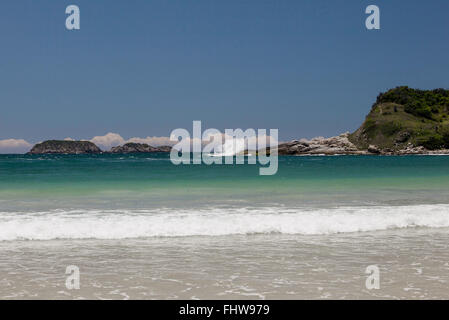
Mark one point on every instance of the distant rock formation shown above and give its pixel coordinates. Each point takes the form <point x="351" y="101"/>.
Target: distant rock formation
<point x="133" y="147"/>
<point x="65" y="147"/>
<point x="324" y="146"/>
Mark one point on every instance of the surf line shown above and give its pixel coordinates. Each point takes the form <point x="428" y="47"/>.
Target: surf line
<point x="212" y="146"/>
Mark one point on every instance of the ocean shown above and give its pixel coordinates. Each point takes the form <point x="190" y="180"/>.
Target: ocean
<point x="139" y="227"/>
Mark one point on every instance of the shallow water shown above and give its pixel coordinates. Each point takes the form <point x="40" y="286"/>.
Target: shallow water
<point x="413" y="263"/>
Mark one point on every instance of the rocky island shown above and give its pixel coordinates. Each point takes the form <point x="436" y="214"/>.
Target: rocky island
<point x="65" y="147"/>
<point x="132" y="147"/>
<point x="87" y="147"/>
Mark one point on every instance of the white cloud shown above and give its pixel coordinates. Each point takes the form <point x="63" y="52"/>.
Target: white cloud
<point x="108" y="141"/>
<point x="69" y="139"/>
<point x="14" y="146"/>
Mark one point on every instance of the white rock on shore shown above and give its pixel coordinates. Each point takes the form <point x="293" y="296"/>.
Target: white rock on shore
<point x="341" y="145"/>
<point x="319" y="145"/>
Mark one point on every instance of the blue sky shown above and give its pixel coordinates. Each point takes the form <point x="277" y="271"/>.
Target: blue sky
<point x="143" y="68"/>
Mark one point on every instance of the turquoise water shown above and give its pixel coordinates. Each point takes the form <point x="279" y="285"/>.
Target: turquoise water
<point x="152" y="177"/>
<point x="144" y="195"/>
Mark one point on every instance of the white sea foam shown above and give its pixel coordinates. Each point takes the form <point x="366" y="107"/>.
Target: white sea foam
<point x="121" y="224"/>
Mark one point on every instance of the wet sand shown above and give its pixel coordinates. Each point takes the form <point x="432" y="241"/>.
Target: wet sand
<point x="413" y="264"/>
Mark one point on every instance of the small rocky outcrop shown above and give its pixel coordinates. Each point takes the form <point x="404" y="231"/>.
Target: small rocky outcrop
<point x="320" y="145"/>
<point x="373" y="149"/>
<point x="164" y="149"/>
<point x="133" y="147"/>
<point x="410" y="149"/>
<point x="65" y="147"/>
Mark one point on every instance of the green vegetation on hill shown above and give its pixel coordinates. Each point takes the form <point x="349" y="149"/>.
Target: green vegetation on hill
<point x="403" y="116"/>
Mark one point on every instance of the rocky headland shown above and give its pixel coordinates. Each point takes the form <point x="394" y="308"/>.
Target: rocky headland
<point x="402" y="121"/>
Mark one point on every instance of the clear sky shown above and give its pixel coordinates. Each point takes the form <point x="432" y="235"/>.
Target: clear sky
<point x="143" y="68"/>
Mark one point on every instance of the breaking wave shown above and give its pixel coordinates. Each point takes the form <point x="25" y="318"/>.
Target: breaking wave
<point x="122" y="224"/>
